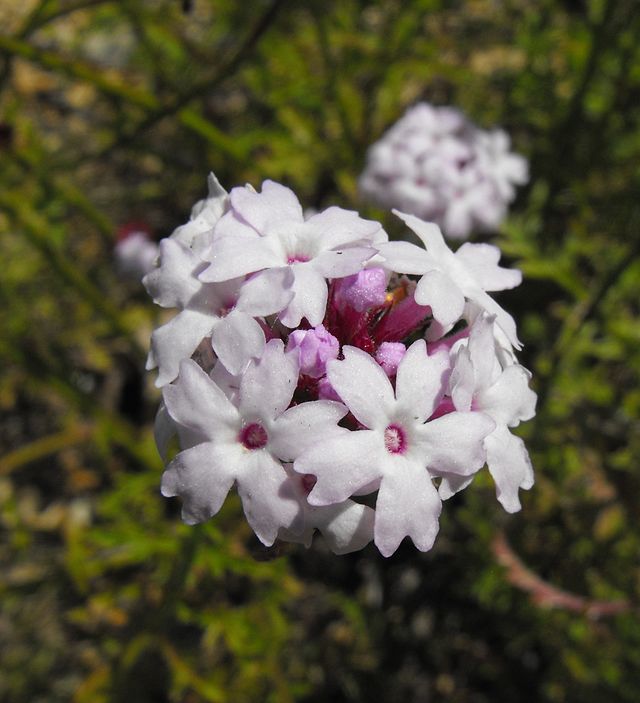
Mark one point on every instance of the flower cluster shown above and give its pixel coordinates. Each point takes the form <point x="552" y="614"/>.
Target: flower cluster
<point x="334" y="391"/>
<point x="437" y="165"/>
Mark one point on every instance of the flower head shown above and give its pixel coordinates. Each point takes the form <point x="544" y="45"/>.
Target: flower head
<point x="437" y="165"/>
<point x="297" y="370"/>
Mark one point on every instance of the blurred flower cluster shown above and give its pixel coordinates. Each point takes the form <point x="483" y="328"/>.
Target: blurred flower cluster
<point x="342" y="382"/>
<point x="436" y="164"/>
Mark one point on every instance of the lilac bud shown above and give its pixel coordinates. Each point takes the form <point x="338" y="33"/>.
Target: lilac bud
<point x="389" y="355"/>
<point x="364" y="290"/>
<point x="315" y="347"/>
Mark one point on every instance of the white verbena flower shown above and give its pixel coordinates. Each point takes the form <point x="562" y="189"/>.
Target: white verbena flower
<point x="266" y="232"/>
<point x="449" y="278"/>
<point x="434" y="163"/>
<point x="479" y="382"/>
<point x="247" y="444"/>
<point x="399" y="447"/>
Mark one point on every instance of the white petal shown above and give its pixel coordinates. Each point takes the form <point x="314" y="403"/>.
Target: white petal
<point x="310" y="297"/>
<point x="503" y="319"/>
<point x="175" y="281"/>
<point x="267" y="385"/>
<point x="268" y="498"/>
<point x="202" y="477"/>
<point x="407" y="505"/>
<point x="342" y="465"/>
<point x="342" y="262"/>
<point x="429" y="233"/>
<point x="509" y="400"/>
<point x="363" y="386"/>
<point x="267" y="292"/>
<point x="264" y="211"/>
<point x="236" y="339"/>
<point x="420" y="380"/>
<point x="346" y="527"/>
<point x="452" y="484"/>
<point x="453" y="443"/>
<point x="445" y="298"/>
<point x="177" y="340"/>
<point x="335" y="227"/>
<point x="233" y="256"/>
<point x="197" y="403"/>
<point x="482" y="262"/>
<point x="482" y="351"/>
<point x="404" y="257"/>
<point x="302" y="426"/>
<point x="510" y="467"/>
<point x="164" y="431"/>
<point x="462" y="383"/>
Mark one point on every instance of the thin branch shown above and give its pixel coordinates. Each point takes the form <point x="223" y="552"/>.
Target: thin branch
<point x="547" y="595"/>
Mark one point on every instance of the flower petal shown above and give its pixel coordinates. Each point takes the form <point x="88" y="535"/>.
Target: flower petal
<point x="237" y="255"/>
<point x="175" y="281"/>
<point x="343" y="262"/>
<point x="509" y="400"/>
<point x="334" y="227"/>
<point x="342" y="465"/>
<point x="267" y="386"/>
<point x="510" y="467"/>
<point x="453" y="443"/>
<point x="346" y="527"/>
<point x="268" y="497"/>
<point x="264" y="211"/>
<point x="420" y="380"/>
<point x="303" y="426"/>
<point x="197" y="403"/>
<point x="482" y="262"/>
<point x="363" y="386"/>
<point x="310" y="297"/>
<point x="407" y="505"/>
<point x="404" y="257"/>
<point x="267" y="292"/>
<point x="177" y="340"/>
<point x="445" y="298"/>
<point x="236" y="339"/>
<point x="202" y="477"/>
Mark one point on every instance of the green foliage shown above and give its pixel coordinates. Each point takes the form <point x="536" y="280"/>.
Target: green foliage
<point x="113" y="112"/>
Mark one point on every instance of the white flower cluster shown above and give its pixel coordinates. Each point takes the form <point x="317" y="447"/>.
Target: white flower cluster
<point x="434" y="163"/>
<point x="288" y="371"/>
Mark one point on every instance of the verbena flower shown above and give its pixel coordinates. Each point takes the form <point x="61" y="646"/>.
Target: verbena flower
<point x="434" y="163"/>
<point x="297" y="370"/>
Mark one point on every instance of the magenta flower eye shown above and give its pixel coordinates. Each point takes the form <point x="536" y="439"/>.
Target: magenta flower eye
<point x="364" y="367"/>
<point x="253" y="436"/>
<point x="395" y="440"/>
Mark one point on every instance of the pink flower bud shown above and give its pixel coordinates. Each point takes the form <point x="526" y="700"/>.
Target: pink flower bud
<point x="389" y="355"/>
<point x="363" y="290"/>
<point x="315" y="347"/>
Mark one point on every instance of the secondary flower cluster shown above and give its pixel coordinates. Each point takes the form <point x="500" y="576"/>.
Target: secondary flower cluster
<point x="307" y="369"/>
<point x="434" y="163"/>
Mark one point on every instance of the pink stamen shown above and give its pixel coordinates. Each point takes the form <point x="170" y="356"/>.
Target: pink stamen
<point x="395" y="441"/>
<point x="253" y="436"/>
<point x="297" y="259"/>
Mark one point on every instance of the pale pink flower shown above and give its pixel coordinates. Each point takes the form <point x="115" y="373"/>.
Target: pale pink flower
<point x="398" y="448"/>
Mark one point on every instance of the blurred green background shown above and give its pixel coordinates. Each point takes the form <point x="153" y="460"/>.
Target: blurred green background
<point x="116" y="111"/>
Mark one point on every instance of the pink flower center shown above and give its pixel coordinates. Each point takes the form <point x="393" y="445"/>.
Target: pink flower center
<point x="297" y="259"/>
<point x="395" y="440"/>
<point x="253" y="436"/>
